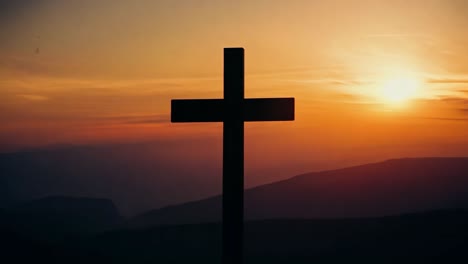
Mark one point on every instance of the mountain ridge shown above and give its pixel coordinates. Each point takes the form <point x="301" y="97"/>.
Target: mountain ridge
<point x="442" y="178"/>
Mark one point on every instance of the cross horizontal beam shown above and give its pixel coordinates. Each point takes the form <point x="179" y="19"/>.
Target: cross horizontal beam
<point x="196" y="110"/>
<point x="213" y="110"/>
<point x="269" y="109"/>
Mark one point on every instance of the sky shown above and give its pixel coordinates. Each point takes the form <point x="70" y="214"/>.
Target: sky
<point x="373" y="79"/>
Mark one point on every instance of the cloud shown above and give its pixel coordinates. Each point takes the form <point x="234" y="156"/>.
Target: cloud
<point x="459" y="104"/>
<point x="352" y="98"/>
<point x="455" y="100"/>
<point x="448" y="80"/>
<point x="399" y="35"/>
<point x="332" y="81"/>
<point x="136" y="119"/>
<point x="33" y="97"/>
<point x="446" y="118"/>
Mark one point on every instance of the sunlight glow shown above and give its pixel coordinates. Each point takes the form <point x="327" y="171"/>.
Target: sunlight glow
<point x="399" y="89"/>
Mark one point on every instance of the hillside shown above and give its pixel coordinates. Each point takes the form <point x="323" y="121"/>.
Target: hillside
<point x="429" y="237"/>
<point x="55" y="218"/>
<point x="386" y="188"/>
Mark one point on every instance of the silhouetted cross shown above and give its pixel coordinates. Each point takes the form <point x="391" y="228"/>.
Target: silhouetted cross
<point x="233" y="111"/>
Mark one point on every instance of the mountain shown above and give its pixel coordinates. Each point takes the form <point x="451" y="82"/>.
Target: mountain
<point x="429" y="237"/>
<point x="386" y="188"/>
<point x="136" y="176"/>
<point x="55" y="218"/>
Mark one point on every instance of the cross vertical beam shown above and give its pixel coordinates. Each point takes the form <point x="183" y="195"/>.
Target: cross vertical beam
<point x="233" y="157"/>
<point x="233" y="111"/>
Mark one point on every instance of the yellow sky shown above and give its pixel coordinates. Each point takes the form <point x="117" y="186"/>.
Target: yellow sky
<point x="105" y="71"/>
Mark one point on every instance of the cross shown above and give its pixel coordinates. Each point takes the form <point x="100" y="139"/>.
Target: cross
<point x="233" y="111"/>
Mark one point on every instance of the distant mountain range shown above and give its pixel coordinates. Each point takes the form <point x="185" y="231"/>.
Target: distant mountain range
<point x="397" y="211"/>
<point x="137" y="177"/>
<point x="387" y="188"/>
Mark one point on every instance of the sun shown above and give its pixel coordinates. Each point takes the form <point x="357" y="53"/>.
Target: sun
<point x="399" y="89"/>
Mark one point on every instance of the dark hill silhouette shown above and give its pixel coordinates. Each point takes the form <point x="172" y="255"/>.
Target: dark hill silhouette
<point x="54" y="218"/>
<point x="430" y="237"/>
<point x="19" y="249"/>
<point x="137" y="176"/>
<point x="386" y="188"/>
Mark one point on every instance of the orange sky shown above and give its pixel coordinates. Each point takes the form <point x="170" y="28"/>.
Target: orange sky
<point x="87" y="71"/>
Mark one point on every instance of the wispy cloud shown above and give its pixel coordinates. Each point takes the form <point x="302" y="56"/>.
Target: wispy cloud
<point x="137" y="119"/>
<point x="448" y="80"/>
<point x="332" y="81"/>
<point x="353" y="98"/>
<point x="457" y="102"/>
<point x="33" y="97"/>
<point x="399" y="35"/>
<point x="445" y="118"/>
